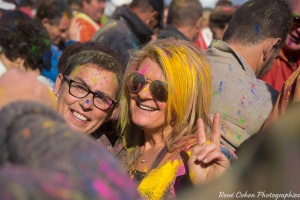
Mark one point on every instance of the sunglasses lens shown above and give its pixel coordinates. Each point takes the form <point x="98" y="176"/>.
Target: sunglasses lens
<point x="159" y="90"/>
<point x="296" y="21"/>
<point x="135" y="82"/>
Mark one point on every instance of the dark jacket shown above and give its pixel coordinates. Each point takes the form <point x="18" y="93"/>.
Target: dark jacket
<point x="170" y="31"/>
<point x="127" y="31"/>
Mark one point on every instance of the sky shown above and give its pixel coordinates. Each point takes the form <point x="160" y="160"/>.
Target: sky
<point x="211" y="3"/>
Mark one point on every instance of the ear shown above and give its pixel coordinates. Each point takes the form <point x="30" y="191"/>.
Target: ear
<point x="45" y="21"/>
<point x="152" y="17"/>
<point x="269" y="46"/>
<point x="57" y="85"/>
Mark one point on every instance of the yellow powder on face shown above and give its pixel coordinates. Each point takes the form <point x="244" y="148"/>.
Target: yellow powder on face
<point x="157" y="181"/>
<point x="95" y="80"/>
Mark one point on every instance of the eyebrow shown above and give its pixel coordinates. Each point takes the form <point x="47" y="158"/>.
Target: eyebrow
<point x="81" y="81"/>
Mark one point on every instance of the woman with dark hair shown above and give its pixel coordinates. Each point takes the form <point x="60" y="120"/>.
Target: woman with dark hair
<point x="24" y="44"/>
<point x="88" y="85"/>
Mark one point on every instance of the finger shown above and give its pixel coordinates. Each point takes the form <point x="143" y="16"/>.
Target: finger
<point x="201" y="132"/>
<point x="205" y="151"/>
<point x="216" y="157"/>
<point x="215" y="134"/>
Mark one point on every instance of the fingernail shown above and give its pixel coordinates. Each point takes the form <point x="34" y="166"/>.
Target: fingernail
<point x="199" y="157"/>
<point x="205" y="160"/>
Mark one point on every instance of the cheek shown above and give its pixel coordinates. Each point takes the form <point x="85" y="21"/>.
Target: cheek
<point x="100" y="115"/>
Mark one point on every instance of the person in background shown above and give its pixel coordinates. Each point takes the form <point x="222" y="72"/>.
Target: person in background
<point x="56" y="18"/>
<point x="184" y="20"/>
<point x="289" y="57"/>
<point x="205" y="35"/>
<point x="26" y="6"/>
<point x="24" y="44"/>
<point x="132" y="27"/>
<point x="5" y="6"/>
<point x="250" y="44"/>
<point x="90" y="18"/>
<point x="219" y="19"/>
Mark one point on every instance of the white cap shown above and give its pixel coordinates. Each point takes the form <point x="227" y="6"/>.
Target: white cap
<point x="6" y="5"/>
<point x="121" y="2"/>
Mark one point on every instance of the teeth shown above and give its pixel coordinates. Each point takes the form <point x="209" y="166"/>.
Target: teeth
<point x="146" y="108"/>
<point x="79" y="116"/>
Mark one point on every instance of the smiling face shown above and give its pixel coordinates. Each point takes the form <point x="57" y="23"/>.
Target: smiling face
<point x="81" y="114"/>
<point x="146" y="112"/>
<point x="292" y="42"/>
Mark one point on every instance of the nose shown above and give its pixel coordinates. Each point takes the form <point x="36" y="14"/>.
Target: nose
<point x="145" y="93"/>
<point x="87" y="102"/>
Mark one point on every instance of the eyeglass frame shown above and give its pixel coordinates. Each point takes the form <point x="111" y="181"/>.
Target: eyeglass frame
<point x="70" y="81"/>
<point x="296" y="21"/>
<point x="147" y="81"/>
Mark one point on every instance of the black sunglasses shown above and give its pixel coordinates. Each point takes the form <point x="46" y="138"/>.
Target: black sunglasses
<point x="296" y="21"/>
<point x="158" y="89"/>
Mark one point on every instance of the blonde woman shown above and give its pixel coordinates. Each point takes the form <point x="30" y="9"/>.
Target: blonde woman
<point x="165" y="94"/>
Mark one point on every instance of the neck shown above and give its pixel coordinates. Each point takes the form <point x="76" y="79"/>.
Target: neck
<point x="155" y="138"/>
<point x="20" y="65"/>
<point x="251" y="54"/>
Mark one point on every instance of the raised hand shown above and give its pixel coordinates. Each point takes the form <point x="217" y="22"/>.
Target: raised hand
<point x="74" y="30"/>
<point x="207" y="161"/>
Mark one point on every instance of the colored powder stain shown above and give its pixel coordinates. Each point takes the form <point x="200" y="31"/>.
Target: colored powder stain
<point x="217" y="42"/>
<point x="144" y="69"/>
<point x="223" y="128"/>
<point x="290" y="43"/>
<point x="156" y="183"/>
<point x="223" y="115"/>
<point x="257" y="28"/>
<point x="76" y="70"/>
<point x="34" y="49"/>
<point x="239" y="112"/>
<point x="26" y="133"/>
<point x="103" y="190"/>
<point x="67" y="134"/>
<point x="230" y="68"/>
<point x="239" y="137"/>
<point x="241" y="121"/>
<point x="220" y="87"/>
<point x="252" y="91"/>
<point x="47" y="124"/>
<point x="250" y="4"/>
<point x="295" y="14"/>
<point x="87" y="101"/>
<point x="216" y="92"/>
<point x="252" y="85"/>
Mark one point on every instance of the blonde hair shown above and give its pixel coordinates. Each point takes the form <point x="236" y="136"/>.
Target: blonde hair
<point x="189" y="89"/>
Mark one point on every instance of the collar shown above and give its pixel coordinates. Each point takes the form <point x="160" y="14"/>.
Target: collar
<point x="220" y="52"/>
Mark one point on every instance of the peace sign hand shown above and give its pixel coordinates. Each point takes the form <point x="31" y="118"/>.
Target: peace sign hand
<point x="207" y="161"/>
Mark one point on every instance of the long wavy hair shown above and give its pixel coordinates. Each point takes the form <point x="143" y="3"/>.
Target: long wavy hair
<point x="187" y="73"/>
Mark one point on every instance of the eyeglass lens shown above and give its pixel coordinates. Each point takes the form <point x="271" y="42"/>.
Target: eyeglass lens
<point x="158" y="89"/>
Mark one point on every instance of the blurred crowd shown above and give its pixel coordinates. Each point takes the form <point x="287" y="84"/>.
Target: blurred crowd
<point x="149" y="100"/>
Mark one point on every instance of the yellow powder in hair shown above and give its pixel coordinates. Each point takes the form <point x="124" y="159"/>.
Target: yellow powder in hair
<point x="76" y="70"/>
<point x="157" y="181"/>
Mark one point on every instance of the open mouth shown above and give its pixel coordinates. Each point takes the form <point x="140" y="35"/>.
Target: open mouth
<point x="79" y="116"/>
<point x="145" y="107"/>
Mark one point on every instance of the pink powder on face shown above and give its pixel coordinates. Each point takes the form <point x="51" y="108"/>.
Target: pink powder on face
<point x="144" y="69"/>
